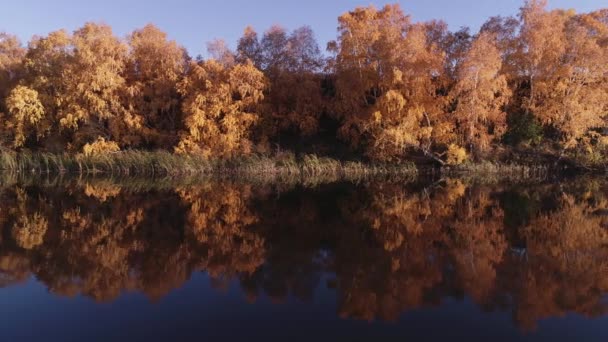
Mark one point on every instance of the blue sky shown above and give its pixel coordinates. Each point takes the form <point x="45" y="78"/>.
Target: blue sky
<point x="193" y="23"/>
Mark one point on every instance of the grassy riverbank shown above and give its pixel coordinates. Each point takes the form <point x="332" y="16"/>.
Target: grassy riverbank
<point x="283" y="166"/>
<point x="160" y="163"/>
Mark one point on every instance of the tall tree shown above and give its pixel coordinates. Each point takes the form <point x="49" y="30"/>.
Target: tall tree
<point x="44" y="64"/>
<point x="576" y="94"/>
<point x="292" y="62"/>
<point x="11" y="63"/>
<point x="219" y="108"/>
<point x="248" y="48"/>
<point x="25" y="112"/>
<point x="273" y="48"/>
<point x="387" y="76"/>
<point x="94" y="82"/>
<point x="155" y="66"/>
<point x="506" y="30"/>
<point x="565" y="64"/>
<point x="481" y="92"/>
<point x="11" y="59"/>
<point x="219" y="50"/>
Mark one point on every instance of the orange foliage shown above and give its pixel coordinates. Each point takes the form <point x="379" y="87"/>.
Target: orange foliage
<point x="391" y="88"/>
<point x="386" y="72"/>
<point x="219" y="104"/>
<point x="155" y="66"/>
<point x="481" y="92"/>
<point x="11" y="64"/>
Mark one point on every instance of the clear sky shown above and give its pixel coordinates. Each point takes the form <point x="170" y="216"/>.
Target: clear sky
<point x="193" y="23"/>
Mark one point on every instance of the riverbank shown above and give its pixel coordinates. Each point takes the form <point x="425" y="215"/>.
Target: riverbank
<point x="142" y="163"/>
<point x="283" y="165"/>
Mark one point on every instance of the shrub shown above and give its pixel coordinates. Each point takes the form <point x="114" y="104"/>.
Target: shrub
<point x="100" y="147"/>
<point x="456" y="155"/>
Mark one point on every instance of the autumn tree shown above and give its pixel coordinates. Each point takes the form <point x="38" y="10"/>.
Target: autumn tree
<point x="44" y="64"/>
<point x="25" y="113"/>
<point x="542" y="45"/>
<point x="219" y="108"/>
<point x="578" y="94"/>
<point x="453" y="44"/>
<point x="386" y="81"/>
<point x="522" y="125"/>
<point x="565" y="66"/>
<point x="155" y="66"/>
<point x="357" y="63"/>
<point x="11" y="58"/>
<point x="392" y="87"/>
<point x="219" y="50"/>
<point x="481" y="92"/>
<point x="79" y="83"/>
<point x="291" y="62"/>
<point x="94" y="81"/>
<point x="248" y="48"/>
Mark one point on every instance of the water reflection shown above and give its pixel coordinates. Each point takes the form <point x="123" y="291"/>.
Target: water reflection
<point x="535" y="251"/>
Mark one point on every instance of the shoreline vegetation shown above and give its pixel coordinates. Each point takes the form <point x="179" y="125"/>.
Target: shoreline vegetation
<point x="526" y="96"/>
<point x="163" y="163"/>
<point x="143" y="171"/>
<point x="283" y="166"/>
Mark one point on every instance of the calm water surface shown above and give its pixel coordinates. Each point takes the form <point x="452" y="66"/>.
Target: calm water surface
<point x="91" y="259"/>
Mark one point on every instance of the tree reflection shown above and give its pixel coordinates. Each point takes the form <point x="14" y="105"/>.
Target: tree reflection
<point x="388" y="248"/>
<point x="218" y="223"/>
<point x="567" y="260"/>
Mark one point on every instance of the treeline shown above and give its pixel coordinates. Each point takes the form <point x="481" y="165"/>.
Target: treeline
<point x="390" y="89"/>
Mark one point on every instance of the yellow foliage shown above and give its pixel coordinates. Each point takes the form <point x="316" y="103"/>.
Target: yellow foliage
<point x="219" y="107"/>
<point x="386" y="95"/>
<point x="567" y="63"/>
<point x="11" y="64"/>
<point x="100" y="147"/>
<point x="481" y="92"/>
<point x="456" y="155"/>
<point x="154" y="66"/>
<point x="26" y="111"/>
<point x="392" y="85"/>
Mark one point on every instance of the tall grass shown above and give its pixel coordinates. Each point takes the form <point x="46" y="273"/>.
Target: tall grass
<point x="141" y="163"/>
<point x="492" y="171"/>
<point x="284" y="167"/>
